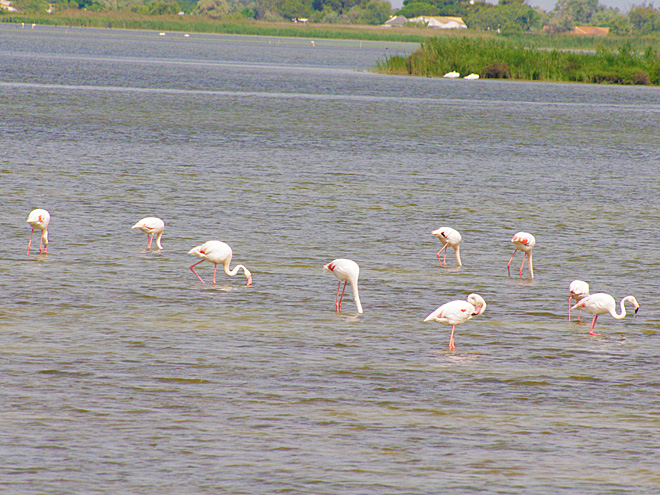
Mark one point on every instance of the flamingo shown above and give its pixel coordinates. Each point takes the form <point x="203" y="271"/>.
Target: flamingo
<point x="345" y="271"/>
<point x="456" y="312"/>
<point x="601" y="303"/>
<point x="218" y="252"/>
<point x="524" y="242"/>
<point x="151" y="226"/>
<point x="39" y="219"/>
<point x="449" y="237"/>
<point x="579" y="290"/>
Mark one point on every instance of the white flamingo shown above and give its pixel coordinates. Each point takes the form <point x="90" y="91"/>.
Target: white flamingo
<point x="39" y="219"/>
<point x="601" y="303"/>
<point x="449" y="237"/>
<point x="151" y="226"/>
<point x="345" y="271"/>
<point x="579" y="290"/>
<point x="218" y="252"/>
<point x="456" y="312"/>
<point x="524" y="242"/>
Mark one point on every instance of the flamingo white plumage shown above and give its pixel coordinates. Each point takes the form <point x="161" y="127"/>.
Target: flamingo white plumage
<point x="524" y="242"/>
<point x="218" y="252"/>
<point x="579" y="289"/>
<point x="345" y="271"/>
<point x="39" y="219"/>
<point x="601" y="303"/>
<point x="151" y="226"/>
<point x="456" y="312"/>
<point x="449" y="237"/>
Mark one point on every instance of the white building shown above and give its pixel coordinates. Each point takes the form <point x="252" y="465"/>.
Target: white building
<point x="440" y="22"/>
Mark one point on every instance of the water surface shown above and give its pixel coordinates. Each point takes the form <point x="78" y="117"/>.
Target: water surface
<point x="121" y="372"/>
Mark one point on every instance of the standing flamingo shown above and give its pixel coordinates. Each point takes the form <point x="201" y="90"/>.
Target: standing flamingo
<point x="523" y="242"/>
<point x="39" y="219"/>
<point x="456" y="312"/>
<point x="579" y="290"/>
<point x="601" y="303"/>
<point x="345" y="271"/>
<point x="217" y="252"/>
<point x="151" y="226"/>
<point x="449" y="237"/>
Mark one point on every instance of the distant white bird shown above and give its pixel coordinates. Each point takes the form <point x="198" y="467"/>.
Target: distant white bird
<point x="579" y="290"/>
<point x="218" y="252"/>
<point x="39" y="219"/>
<point x="452" y="75"/>
<point x="449" y="237"/>
<point x="456" y="312"/>
<point x="523" y="242"/>
<point x="601" y="303"/>
<point x="345" y="271"/>
<point x="472" y="77"/>
<point x="161" y="34"/>
<point x="151" y="226"/>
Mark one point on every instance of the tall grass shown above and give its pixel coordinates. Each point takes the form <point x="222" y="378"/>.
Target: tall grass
<point x="499" y="58"/>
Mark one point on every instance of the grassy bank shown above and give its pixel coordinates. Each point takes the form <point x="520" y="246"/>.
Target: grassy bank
<point x="504" y="59"/>
<point x="201" y="24"/>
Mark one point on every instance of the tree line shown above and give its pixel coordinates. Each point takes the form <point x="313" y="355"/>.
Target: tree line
<point x="507" y="17"/>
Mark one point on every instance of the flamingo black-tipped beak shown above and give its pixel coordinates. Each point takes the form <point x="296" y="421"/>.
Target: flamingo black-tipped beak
<point x="636" y="309"/>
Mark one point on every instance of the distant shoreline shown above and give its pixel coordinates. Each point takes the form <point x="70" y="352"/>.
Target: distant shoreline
<point x="633" y="60"/>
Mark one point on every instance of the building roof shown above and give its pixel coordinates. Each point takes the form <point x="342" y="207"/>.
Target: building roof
<point x="591" y="30"/>
<point x="396" y="21"/>
<point x="441" y="22"/>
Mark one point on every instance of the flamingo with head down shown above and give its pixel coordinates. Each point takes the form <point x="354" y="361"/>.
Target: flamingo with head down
<point x="579" y="290"/>
<point x="449" y="237"/>
<point x="218" y="252"/>
<point x="456" y="312"/>
<point x="151" y="226"/>
<point x="39" y="219"/>
<point x="601" y="303"/>
<point x="345" y="271"/>
<point x="524" y="242"/>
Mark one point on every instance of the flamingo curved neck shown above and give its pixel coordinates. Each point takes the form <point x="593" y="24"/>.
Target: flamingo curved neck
<point x="158" y="240"/>
<point x="623" y="309"/>
<point x="233" y="272"/>
<point x="458" y="255"/>
<point x="531" y="266"/>
<point x="356" y="296"/>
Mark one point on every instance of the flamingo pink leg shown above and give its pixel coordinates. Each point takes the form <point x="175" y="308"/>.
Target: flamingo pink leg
<point x="523" y="264"/>
<point x="443" y="249"/>
<point x="45" y="248"/>
<point x="569" y="308"/>
<point x="451" y="339"/>
<point x="339" y="298"/>
<point x="150" y="237"/>
<point x="579" y="313"/>
<point x="29" y="243"/>
<point x="191" y="269"/>
<point x="508" y="266"/>
<point x="215" y="269"/>
<point x="593" y="324"/>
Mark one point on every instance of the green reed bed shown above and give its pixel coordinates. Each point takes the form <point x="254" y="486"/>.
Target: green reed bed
<point x="503" y="59"/>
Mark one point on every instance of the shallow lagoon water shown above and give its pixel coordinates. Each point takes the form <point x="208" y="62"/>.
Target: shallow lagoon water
<point x="122" y="373"/>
